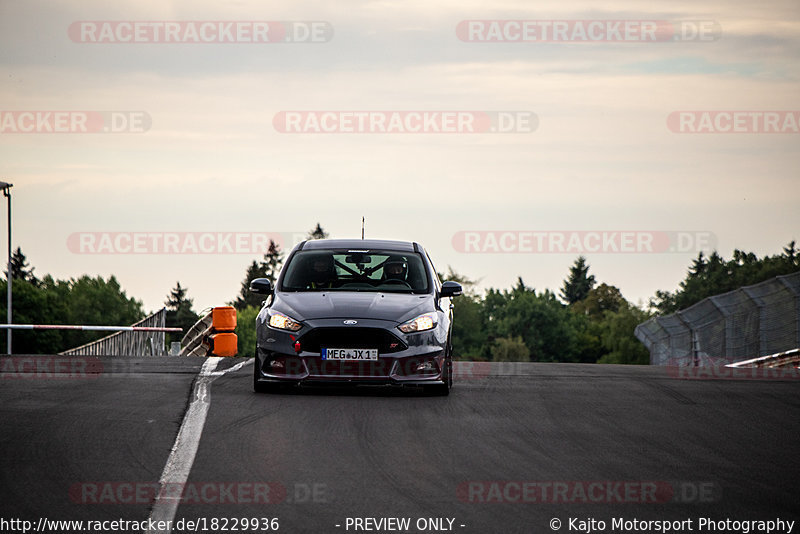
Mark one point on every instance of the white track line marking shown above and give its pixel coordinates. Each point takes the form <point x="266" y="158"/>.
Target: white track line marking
<point x="179" y="464"/>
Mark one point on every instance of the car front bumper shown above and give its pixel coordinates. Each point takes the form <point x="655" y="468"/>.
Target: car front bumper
<point x="403" y="359"/>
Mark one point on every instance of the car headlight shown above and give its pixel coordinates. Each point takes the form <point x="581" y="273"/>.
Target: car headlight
<point x="426" y="321"/>
<point x="283" y="322"/>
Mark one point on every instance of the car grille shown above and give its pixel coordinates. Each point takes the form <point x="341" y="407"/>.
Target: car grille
<point x="352" y="338"/>
<point x="319" y="367"/>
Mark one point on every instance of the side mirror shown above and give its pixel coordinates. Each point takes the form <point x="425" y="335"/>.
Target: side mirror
<point x="450" y="289"/>
<point x="261" y="285"/>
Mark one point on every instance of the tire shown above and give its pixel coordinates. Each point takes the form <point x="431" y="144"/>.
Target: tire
<point x="258" y="387"/>
<point x="442" y="390"/>
<point x="263" y="387"/>
<point x="266" y="387"/>
<point x="450" y="368"/>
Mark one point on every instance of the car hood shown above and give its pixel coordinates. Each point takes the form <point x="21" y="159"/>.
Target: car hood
<point x="306" y="305"/>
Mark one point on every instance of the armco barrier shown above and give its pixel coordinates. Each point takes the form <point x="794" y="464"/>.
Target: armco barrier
<point x="212" y="334"/>
<point x="781" y="359"/>
<point x="192" y="342"/>
<point x="753" y="321"/>
<point x="130" y="343"/>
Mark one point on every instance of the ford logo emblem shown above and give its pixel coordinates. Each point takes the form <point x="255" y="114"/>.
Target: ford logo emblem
<point x="350" y="321"/>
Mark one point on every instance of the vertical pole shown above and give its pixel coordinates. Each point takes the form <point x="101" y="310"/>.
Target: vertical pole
<point x="7" y="193"/>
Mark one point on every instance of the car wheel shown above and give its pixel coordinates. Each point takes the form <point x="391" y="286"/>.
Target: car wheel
<point x="258" y="388"/>
<point x="261" y="387"/>
<point x="450" y="368"/>
<point x="442" y="390"/>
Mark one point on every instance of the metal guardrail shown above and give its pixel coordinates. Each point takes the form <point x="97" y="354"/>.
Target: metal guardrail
<point x="193" y="343"/>
<point x="129" y="343"/>
<point x="213" y="334"/>
<point x="781" y="359"/>
<point x="757" y="320"/>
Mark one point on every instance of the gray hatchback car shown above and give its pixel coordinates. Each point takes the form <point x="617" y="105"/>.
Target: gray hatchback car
<point x="355" y="312"/>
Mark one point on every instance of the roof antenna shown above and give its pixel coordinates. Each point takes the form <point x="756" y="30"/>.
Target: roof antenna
<point x="362" y="227"/>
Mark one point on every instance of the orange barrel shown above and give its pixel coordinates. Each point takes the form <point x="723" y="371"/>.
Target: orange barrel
<point x="224" y="344"/>
<point x="223" y="319"/>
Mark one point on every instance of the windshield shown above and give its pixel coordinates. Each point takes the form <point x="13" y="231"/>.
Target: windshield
<point x="374" y="270"/>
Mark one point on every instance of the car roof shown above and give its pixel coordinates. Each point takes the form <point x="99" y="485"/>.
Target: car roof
<point x="360" y="244"/>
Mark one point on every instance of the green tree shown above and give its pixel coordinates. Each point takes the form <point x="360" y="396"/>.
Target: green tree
<point x="790" y="253"/>
<point x="620" y="344"/>
<point x="268" y="267"/>
<point x="599" y="300"/>
<point x="97" y="301"/>
<point x="588" y="346"/>
<point x="84" y="300"/>
<point x="246" y="330"/>
<point x="468" y="285"/>
<point x="539" y="319"/>
<point x="246" y="297"/>
<point x="179" y="312"/>
<point x="20" y="269"/>
<point x="42" y="303"/>
<point x="605" y="322"/>
<point x="469" y="329"/>
<point x="506" y="349"/>
<point x="714" y="275"/>
<point x="273" y="260"/>
<point x="579" y="282"/>
<point x="317" y="233"/>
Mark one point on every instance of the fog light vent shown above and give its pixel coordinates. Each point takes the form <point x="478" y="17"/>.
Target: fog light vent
<point x="426" y="367"/>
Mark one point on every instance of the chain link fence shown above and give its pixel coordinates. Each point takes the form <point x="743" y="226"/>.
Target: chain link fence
<point x="746" y="323"/>
<point x="128" y="343"/>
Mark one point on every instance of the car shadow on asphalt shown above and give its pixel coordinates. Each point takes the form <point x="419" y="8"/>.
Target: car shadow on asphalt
<point x="352" y="391"/>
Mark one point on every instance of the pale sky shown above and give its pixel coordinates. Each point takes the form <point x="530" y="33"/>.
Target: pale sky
<point x="601" y="158"/>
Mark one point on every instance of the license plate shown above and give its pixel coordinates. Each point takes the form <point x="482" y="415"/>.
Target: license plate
<point x="350" y="354"/>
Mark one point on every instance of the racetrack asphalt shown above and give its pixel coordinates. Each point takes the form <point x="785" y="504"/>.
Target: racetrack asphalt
<point x="513" y="447"/>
